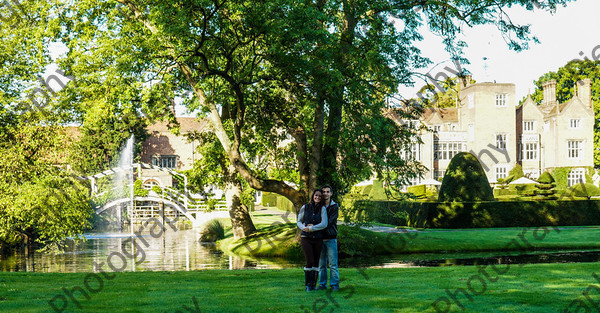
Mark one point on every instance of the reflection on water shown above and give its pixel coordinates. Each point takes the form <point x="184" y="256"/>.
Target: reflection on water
<point x="481" y="258"/>
<point x="173" y="251"/>
<point x="181" y="251"/>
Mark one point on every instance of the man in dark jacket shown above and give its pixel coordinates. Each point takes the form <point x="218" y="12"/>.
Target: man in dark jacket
<point x="329" y="253"/>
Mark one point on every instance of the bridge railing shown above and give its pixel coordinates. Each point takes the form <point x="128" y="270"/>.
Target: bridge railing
<point x="192" y="203"/>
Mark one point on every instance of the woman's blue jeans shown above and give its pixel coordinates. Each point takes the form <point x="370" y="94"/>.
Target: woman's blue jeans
<point x="329" y="256"/>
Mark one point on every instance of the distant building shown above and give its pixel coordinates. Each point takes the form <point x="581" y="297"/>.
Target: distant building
<point x="488" y="122"/>
<point x="167" y="150"/>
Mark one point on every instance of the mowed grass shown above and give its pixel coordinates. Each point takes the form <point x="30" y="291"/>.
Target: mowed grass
<point x="500" y="239"/>
<point x="529" y="288"/>
<point x="275" y="234"/>
<point x="279" y="240"/>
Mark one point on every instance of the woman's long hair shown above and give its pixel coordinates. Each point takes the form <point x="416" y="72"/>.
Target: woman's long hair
<point x="312" y="198"/>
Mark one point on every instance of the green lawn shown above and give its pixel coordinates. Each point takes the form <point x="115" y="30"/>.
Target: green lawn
<point x="530" y="288"/>
<point x="279" y="240"/>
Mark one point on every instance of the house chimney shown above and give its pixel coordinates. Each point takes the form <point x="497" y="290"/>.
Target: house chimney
<point x="549" y="88"/>
<point x="583" y="89"/>
<point x="466" y="80"/>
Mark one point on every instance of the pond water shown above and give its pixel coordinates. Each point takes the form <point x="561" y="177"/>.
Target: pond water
<point x="482" y="258"/>
<point x="172" y="251"/>
<point x="181" y="251"/>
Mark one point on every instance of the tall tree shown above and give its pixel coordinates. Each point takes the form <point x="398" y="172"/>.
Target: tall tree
<point x="313" y="76"/>
<point x="39" y="201"/>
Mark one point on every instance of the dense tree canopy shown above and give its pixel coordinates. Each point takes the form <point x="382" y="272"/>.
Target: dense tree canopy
<point x="39" y="201"/>
<point x="309" y="78"/>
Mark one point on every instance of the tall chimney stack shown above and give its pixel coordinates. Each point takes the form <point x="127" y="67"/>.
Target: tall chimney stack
<point x="549" y="88"/>
<point x="584" y="91"/>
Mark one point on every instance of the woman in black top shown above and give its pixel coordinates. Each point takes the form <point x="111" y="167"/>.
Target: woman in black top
<point x="312" y="218"/>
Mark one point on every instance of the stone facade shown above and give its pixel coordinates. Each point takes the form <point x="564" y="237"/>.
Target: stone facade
<point x="488" y="123"/>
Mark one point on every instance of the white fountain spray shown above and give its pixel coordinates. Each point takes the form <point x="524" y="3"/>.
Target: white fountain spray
<point x="126" y="176"/>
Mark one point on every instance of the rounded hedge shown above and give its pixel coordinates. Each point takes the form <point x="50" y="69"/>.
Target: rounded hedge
<point x="465" y="181"/>
<point x="585" y="190"/>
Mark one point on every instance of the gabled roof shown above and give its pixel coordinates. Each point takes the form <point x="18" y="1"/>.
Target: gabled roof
<point x="447" y="115"/>
<point x="547" y="108"/>
<point x="399" y="114"/>
<point x="530" y="102"/>
<point x="551" y="109"/>
<point x="574" y="101"/>
<point x="563" y="106"/>
<point x="187" y="124"/>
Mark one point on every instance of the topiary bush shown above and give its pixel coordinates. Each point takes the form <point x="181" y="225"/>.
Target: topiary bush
<point x="419" y="191"/>
<point x="545" y="189"/>
<point x="465" y="181"/>
<point x="546" y="178"/>
<point x="523" y="189"/>
<point x="377" y="191"/>
<point x="482" y="214"/>
<point x="585" y="190"/>
<point x="516" y="172"/>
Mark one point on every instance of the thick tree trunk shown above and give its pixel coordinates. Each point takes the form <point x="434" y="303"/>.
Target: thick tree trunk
<point x="337" y="101"/>
<point x="330" y="147"/>
<point x="241" y="221"/>
<point x="231" y="149"/>
<point x="316" y="149"/>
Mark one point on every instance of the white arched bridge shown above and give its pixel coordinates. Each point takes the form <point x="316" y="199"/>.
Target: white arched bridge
<point x="165" y="203"/>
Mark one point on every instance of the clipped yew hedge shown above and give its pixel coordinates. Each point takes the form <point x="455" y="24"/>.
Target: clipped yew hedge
<point x="478" y="214"/>
<point x="465" y="181"/>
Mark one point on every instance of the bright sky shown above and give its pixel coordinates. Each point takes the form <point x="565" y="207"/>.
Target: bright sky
<point x="571" y="32"/>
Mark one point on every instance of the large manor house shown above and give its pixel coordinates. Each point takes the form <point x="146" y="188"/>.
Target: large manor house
<point x="486" y="121"/>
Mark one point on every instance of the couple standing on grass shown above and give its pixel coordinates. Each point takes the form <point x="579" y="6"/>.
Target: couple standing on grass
<point x="318" y="222"/>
